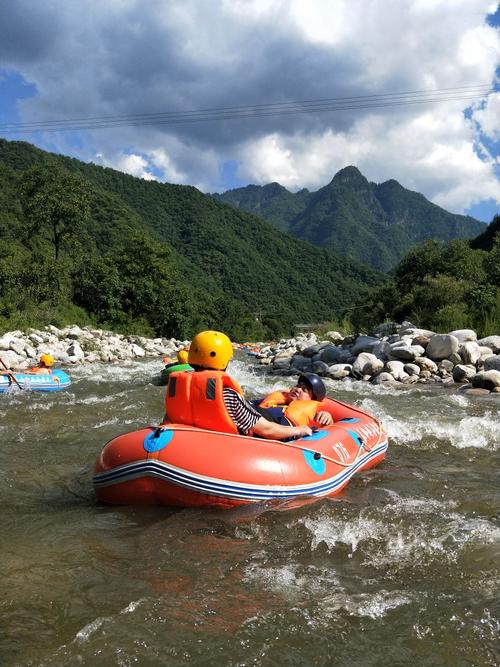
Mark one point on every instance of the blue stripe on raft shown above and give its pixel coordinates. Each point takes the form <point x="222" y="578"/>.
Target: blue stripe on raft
<point x="154" y="468"/>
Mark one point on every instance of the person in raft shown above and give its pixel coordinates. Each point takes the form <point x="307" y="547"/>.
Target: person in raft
<point x="171" y="366"/>
<point x="300" y="405"/>
<point x="209" y="398"/>
<point x="44" y="365"/>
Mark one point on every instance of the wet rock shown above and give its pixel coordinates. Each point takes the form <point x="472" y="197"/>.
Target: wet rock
<point x="384" y="378"/>
<point x="486" y="380"/>
<point x="367" y="364"/>
<point x="471" y="391"/>
<point x="339" y="371"/>
<point x="463" y="373"/>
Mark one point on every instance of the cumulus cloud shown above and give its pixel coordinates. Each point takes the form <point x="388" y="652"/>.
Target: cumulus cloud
<point x="487" y="117"/>
<point x="98" y="59"/>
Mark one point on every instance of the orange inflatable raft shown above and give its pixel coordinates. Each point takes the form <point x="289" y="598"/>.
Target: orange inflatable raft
<point x="189" y="467"/>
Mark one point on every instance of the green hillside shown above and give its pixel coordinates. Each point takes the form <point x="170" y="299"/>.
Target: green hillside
<point x="374" y="224"/>
<point x="81" y="242"/>
<point x="441" y="286"/>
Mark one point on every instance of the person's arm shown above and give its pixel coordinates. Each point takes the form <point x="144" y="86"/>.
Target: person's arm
<point x="266" y="429"/>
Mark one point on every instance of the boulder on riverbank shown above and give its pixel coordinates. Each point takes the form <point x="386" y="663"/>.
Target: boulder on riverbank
<point x="74" y="345"/>
<point x="394" y="354"/>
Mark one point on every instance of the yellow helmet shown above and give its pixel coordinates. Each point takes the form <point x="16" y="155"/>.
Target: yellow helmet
<point x="182" y="355"/>
<point x="210" y="349"/>
<point x="47" y="359"/>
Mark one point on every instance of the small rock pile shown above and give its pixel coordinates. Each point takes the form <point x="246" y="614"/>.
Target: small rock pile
<point x="73" y="345"/>
<point x="393" y="354"/>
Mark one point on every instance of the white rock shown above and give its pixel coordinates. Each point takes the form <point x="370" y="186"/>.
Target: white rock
<point x="18" y="346"/>
<point x="334" y="336"/>
<point x="464" y="335"/>
<point x="397" y="370"/>
<point x="470" y="352"/>
<point x="12" y="360"/>
<point x="367" y="364"/>
<point x="137" y="351"/>
<point x="441" y="346"/>
<point x="384" y="378"/>
<point x="30" y="351"/>
<point x="493" y="342"/>
<point x="75" y="352"/>
<point x="339" y="371"/>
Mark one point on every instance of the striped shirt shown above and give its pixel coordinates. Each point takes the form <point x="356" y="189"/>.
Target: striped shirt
<point x="243" y="414"/>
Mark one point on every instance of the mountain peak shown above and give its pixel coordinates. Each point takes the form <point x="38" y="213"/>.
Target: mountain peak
<point x="350" y="175"/>
<point x="274" y="188"/>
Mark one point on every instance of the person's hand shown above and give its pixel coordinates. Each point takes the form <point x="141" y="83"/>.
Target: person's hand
<point x="324" y="418"/>
<point x="301" y="431"/>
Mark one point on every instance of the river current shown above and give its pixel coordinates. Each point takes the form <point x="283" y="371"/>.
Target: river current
<point x="401" y="569"/>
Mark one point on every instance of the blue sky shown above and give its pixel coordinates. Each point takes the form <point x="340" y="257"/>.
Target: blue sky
<point x="62" y="61"/>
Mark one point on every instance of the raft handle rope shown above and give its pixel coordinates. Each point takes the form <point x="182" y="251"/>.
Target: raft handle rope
<point x="317" y="455"/>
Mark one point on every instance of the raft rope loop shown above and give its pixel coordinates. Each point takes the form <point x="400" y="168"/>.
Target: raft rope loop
<point x="317" y="455"/>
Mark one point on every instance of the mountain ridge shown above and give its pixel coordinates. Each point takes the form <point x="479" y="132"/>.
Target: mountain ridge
<point x="234" y="270"/>
<point x="372" y="223"/>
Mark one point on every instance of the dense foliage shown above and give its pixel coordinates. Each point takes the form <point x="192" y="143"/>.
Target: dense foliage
<point x="80" y="243"/>
<point x="375" y="224"/>
<point x="441" y="287"/>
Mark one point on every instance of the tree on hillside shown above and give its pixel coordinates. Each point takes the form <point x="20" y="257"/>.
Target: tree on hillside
<point x="55" y="203"/>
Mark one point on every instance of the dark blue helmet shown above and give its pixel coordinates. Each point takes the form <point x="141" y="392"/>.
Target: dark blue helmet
<point x="315" y="383"/>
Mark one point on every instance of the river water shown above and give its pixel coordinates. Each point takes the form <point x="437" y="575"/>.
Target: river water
<point x="401" y="569"/>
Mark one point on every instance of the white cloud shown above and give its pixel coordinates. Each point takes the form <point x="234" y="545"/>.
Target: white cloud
<point x="432" y="153"/>
<point x="132" y="164"/>
<point x="130" y="57"/>
<point x="488" y="117"/>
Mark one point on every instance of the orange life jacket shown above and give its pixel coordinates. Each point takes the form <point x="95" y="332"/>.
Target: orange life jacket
<point x="196" y="399"/>
<point x="297" y="412"/>
<point x="40" y="370"/>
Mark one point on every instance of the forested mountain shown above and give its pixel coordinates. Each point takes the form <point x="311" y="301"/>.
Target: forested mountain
<point x="375" y="224"/>
<point x="441" y="286"/>
<point x="80" y="241"/>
